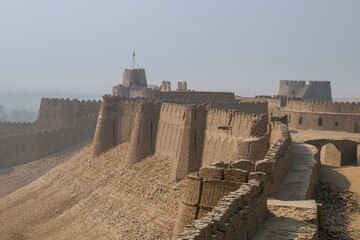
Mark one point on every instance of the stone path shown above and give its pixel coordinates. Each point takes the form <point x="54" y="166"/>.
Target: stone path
<point x="294" y="219"/>
<point x="300" y="181"/>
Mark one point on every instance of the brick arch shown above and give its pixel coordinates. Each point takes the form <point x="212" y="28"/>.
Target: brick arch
<point x="347" y="148"/>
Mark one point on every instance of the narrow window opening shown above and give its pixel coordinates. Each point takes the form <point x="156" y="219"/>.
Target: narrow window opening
<point x="320" y="122"/>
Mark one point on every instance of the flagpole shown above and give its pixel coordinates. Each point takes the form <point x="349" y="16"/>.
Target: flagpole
<point x="133" y="60"/>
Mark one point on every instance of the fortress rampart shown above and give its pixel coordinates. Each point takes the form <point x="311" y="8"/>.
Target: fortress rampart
<point x="317" y="115"/>
<point x="54" y="113"/>
<point x="228" y="200"/>
<point x="236" y="216"/>
<point x="61" y="123"/>
<point x="24" y="148"/>
<point x="182" y="132"/>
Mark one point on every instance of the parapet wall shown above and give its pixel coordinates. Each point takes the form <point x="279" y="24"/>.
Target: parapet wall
<point x="24" y="148"/>
<point x="278" y="159"/>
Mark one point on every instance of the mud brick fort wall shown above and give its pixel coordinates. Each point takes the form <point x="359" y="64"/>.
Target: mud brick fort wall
<point x="317" y="115"/>
<point x="182" y="132"/>
<point x="61" y="123"/>
<point x="228" y="200"/>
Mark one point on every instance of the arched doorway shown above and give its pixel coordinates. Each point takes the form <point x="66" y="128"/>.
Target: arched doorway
<point x="330" y="154"/>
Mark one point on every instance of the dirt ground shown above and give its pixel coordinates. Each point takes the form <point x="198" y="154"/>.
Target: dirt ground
<point x="346" y="178"/>
<point x="92" y="198"/>
<point x="17" y="177"/>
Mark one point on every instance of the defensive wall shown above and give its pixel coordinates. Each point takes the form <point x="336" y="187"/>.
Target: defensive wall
<point x="317" y="115"/>
<point x="227" y="200"/>
<point x="186" y="133"/>
<point x="61" y="123"/>
<point x="24" y="148"/>
<point x="54" y="113"/>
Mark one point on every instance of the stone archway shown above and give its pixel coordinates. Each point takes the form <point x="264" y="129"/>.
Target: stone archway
<point x="330" y="154"/>
<point x="339" y="152"/>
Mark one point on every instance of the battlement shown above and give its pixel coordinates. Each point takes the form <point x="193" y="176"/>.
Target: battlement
<point x="26" y="147"/>
<point x="325" y="107"/>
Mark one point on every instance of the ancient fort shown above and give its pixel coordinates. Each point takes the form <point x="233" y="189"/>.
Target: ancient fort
<point x="181" y="164"/>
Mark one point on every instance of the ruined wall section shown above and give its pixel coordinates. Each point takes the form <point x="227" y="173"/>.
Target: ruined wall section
<point x="24" y="148"/>
<point x="231" y="135"/>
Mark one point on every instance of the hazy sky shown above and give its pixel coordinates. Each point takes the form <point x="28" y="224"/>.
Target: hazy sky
<point x="241" y="46"/>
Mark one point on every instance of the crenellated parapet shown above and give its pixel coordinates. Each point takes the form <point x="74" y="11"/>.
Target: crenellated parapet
<point x="323" y="107"/>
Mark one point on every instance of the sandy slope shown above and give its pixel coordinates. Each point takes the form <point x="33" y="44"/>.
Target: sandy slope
<point x="17" y="177"/>
<point x="95" y="198"/>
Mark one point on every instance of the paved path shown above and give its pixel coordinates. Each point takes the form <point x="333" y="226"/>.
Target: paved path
<point x="300" y="181"/>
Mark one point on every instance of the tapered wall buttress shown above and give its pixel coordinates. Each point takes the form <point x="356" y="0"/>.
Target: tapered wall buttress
<point x="143" y="137"/>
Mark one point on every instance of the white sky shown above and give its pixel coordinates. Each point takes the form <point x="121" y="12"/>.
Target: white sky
<point x="241" y="46"/>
